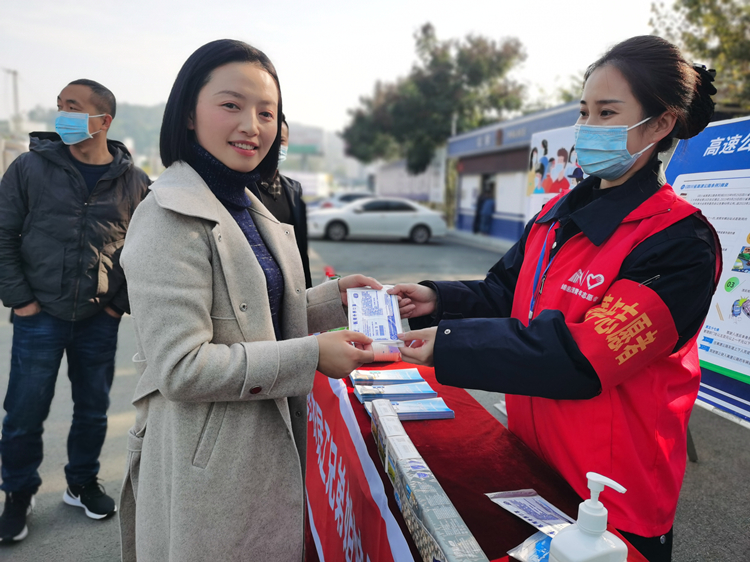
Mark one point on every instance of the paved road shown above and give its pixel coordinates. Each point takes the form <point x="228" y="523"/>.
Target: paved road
<point x="712" y="520"/>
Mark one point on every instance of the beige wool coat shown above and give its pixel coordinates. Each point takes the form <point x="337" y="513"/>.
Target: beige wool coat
<point x="216" y="457"/>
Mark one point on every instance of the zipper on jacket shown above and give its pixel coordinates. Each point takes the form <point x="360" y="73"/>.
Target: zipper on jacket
<point x="80" y="260"/>
<point x="536" y="294"/>
<point x="80" y="239"/>
<point x="536" y="433"/>
<point x="80" y="242"/>
<point x="648" y="281"/>
<point x="544" y="276"/>
<point x="74" y="170"/>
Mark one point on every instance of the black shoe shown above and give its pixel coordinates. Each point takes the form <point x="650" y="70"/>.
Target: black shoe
<point x="13" y="520"/>
<point x="92" y="498"/>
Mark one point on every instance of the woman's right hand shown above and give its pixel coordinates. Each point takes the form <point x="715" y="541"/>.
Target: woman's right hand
<point x="337" y="357"/>
<point x="414" y="300"/>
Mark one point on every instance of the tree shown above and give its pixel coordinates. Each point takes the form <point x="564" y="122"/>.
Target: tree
<point x="574" y="89"/>
<point x="454" y="83"/>
<point x="715" y="33"/>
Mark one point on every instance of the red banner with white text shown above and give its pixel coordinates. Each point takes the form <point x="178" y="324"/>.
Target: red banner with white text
<point x="347" y="507"/>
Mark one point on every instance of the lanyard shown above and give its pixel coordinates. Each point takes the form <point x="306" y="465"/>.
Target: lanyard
<point x="539" y="269"/>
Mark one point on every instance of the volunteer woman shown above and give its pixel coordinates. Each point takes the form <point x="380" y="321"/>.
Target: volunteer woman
<point x="589" y="322"/>
<point x="222" y="317"/>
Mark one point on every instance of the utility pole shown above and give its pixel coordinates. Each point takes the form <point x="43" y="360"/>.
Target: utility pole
<point x="15" y="120"/>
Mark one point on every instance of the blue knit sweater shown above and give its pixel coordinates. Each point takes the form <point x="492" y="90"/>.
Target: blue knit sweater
<point x="229" y="188"/>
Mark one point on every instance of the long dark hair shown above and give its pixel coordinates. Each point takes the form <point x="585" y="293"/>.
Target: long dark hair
<point x="662" y="80"/>
<point x="175" y="137"/>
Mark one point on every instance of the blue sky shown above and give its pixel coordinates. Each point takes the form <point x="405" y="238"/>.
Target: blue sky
<point x="328" y="53"/>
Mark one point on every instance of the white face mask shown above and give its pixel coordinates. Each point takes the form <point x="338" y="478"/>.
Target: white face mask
<point x="603" y="150"/>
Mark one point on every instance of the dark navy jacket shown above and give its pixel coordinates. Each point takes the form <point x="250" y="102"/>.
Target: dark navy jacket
<point x="60" y="244"/>
<point x="292" y="191"/>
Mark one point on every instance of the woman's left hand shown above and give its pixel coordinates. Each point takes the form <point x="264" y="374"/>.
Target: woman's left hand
<point x="419" y="347"/>
<point x="352" y="281"/>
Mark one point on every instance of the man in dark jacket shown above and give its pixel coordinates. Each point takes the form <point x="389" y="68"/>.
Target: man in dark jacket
<point x="283" y="198"/>
<point x="64" y="209"/>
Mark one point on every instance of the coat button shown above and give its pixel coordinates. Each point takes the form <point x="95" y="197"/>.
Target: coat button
<point x="255" y="390"/>
<point x="219" y="237"/>
<point x="298" y="291"/>
<point x="297" y="414"/>
<point x="447" y="331"/>
<point x="243" y="307"/>
<point x="286" y="232"/>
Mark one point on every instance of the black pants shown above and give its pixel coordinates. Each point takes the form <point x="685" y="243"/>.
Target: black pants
<point x="655" y="549"/>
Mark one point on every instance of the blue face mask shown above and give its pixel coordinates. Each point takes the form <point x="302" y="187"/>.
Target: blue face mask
<point x="282" y="153"/>
<point x="603" y="150"/>
<point x="74" y="127"/>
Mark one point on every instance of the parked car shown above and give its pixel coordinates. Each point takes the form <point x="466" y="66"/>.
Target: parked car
<point x="377" y="218"/>
<point x="339" y="200"/>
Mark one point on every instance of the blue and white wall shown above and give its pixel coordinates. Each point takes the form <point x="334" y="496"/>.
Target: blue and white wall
<point x="501" y="153"/>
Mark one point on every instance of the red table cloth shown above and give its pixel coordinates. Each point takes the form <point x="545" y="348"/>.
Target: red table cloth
<point x="470" y="456"/>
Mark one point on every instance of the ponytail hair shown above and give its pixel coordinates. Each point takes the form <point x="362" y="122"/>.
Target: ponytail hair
<point x="662" y="80"/>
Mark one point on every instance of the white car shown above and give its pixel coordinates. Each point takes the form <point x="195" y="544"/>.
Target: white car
<point x="339" y="200"/>
<point x="377" y="218"/>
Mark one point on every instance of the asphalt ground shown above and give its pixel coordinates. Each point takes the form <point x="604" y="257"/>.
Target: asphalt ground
<point x="712" y="524"/>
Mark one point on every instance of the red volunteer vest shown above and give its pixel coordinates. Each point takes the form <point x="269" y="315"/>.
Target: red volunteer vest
<point x="635" y="430"/>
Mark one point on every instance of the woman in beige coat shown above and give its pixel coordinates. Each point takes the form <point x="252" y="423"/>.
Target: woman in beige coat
<point x="216" y="457"/>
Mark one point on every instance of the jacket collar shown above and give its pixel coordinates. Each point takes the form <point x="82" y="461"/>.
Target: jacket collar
<point x="599" y="218"/>
<point x="50" y="146"/>
<point x="181" y="189"/>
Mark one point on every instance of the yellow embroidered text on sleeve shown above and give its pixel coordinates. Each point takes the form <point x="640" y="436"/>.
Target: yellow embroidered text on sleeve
<point x="608" y="319"/>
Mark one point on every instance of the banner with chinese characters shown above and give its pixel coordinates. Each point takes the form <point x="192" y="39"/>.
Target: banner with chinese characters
<point x="712" y="171"/>
<point x="347" y="506"/>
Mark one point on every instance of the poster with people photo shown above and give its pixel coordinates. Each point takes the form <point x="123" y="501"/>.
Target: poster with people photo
<point x="553" y="167"/>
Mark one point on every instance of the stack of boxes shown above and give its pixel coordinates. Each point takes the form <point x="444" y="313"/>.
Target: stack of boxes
<point x="438" y="530"/>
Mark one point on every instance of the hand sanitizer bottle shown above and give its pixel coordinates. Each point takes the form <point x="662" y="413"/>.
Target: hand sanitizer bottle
<point x="588" y="540"/>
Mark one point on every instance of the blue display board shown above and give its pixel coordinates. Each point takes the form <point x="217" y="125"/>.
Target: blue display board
<point x="712" y="171"/>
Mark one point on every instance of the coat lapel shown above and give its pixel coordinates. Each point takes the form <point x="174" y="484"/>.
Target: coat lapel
<point x="280" y="241"/>
<point x="182" y="190"/>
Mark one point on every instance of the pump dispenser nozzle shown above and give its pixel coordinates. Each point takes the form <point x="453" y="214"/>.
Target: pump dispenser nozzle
<point x="597" y="483"/>
<point x="588" y="539"/>
<point x="592" y="515"/>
